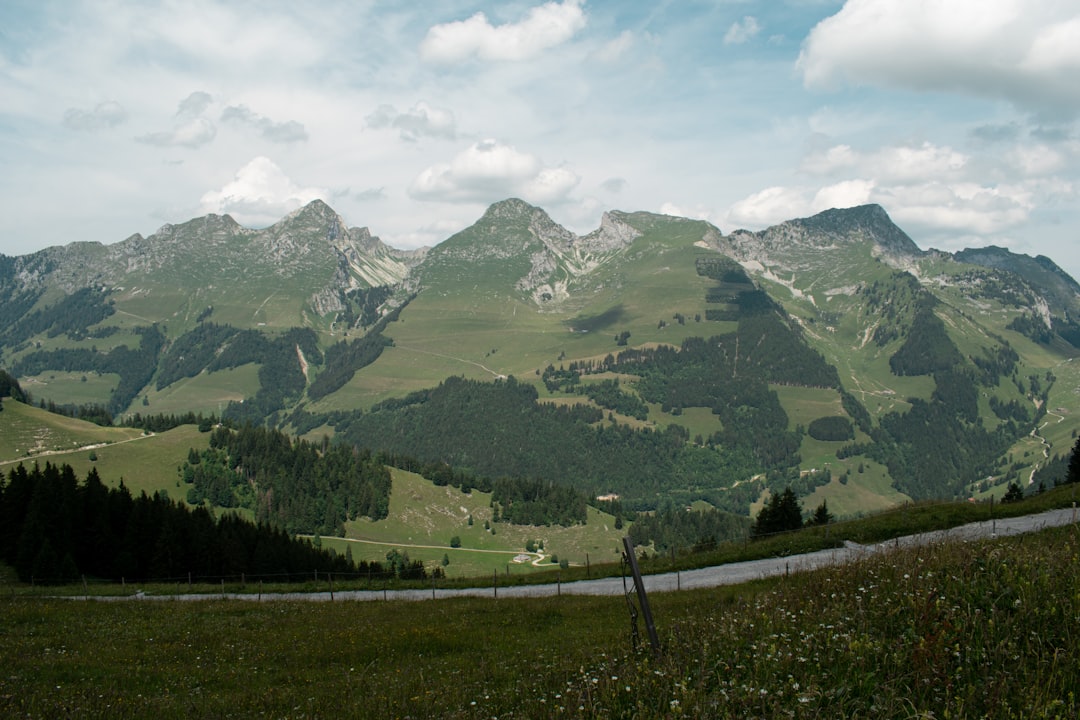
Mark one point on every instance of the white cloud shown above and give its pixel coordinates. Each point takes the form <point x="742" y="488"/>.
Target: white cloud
<point x="614" y="185"/>
<point x="191" y="129"/>
<point x="934" y="206"/>
<point x="1023" y="51"/>
<point x="104" y="115"/>
<point x="742" y="31"/>
<point x="845" y="194"/>
<point x="614" y="50"/>
<point x="420" y="120"/>
<point x="192" y="134"/>
<point x="489" y="171"/>
<point x="894" y="163"/>
<point x="544" y="27"/>
<point x="194" y="104"/>
<point x="278" y="132"/>
<point x="768" y="207"/>
<point x="260" y="194"/>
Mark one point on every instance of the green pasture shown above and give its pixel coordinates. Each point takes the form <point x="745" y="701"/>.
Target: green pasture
<point x="30" y="433"/>
<point x="71" y="388"/>
<point x="424" y="517"/>
<point x="981" y="629"/>
<point x="206" y="393"/>
<point x="144" y="462"/>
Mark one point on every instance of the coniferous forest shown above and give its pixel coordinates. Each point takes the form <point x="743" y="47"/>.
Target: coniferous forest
<point x="54" y="528"/>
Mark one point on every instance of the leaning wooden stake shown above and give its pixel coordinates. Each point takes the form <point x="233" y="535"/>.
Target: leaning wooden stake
<point x="643" y="599"/>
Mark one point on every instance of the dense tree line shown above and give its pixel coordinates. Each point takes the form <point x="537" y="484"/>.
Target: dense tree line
<point x="55" y="529"/>
<point x="281" y="377"/>
<point x="927" y="348"/>
<point x="500" y="430"/>
<point x="833" y="428"/>
<point x="519" y="501"/>
<point x="89" y="412"/>
<point x="607" y="394"/>
<point x="1060" y="469"/>
<point x="193" y="352"/>
<point x="162" y="423"/>
<point x="344" y="359"/>
<point x="681" y="528"/>
<point x="524" y="501"/>
<point x="291" y="484"/>
<point x="71" y="315"/>
<point x="9" y="387"/>
<point x="135" y="367"/>
<point x="362" y="305"/>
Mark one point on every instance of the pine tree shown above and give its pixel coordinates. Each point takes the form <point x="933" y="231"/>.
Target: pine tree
<point x="781" y="514"/>
<point x="1074" y="463"/>
<point x="821" y="516"/>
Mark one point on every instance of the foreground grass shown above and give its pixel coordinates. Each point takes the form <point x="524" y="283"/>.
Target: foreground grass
<point x="988" y="629"/>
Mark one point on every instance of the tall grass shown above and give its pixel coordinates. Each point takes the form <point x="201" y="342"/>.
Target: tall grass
<point x="986" y="629"/>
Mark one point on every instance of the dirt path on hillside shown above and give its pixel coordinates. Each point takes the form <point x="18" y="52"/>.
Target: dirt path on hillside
<point x="496" y="375"/>
<point x="730" y="574"/>
<point x="83" y="448"/>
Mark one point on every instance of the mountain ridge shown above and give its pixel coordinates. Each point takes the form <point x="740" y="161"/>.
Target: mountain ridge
<point x="304" y="322"/>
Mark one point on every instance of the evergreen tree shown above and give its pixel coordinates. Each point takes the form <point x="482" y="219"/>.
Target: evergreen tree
<point x="821" y="515"/>
<point x="782" y="513"/>
<point x="1074" y="463"/>
<point x="1013" y="494"/>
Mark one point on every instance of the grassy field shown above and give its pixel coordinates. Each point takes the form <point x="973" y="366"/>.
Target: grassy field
<point x="985" y="629"/>
<point x="144" y="462"/>
<point x="424" y="517"/>
<point x="206" y="393"/>
<point x="29" y="433"/>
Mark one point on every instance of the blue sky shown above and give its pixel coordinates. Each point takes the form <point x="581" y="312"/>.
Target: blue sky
<point x="960" y="117"/>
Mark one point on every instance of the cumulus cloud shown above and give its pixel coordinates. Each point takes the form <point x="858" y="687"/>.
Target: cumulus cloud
<point x="194" y="104"/>
<point x="278" y="132"/>
<point x="260" y="194"/>
<point x="614" y="185"/>
<point x="742" y="31"/>
<point x="420" y="120"/>
<point x="488" y="171"/>
<point x="105" y="115"/>
<point x="190" y="128"/>
<point x="895" y="163"/>
<point x="1027" y="52"/>
<point x="930" y="205"/>
<point x="544" y="27"/>
<point x="614" y="50"/>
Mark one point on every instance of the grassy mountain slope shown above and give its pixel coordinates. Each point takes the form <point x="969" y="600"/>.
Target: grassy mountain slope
<point x="979" y="344"/>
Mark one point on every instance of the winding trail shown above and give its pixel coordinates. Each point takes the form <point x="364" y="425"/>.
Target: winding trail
<point x="730" y="574"/>
<point x="451" y="357"/>
<point x="92" y="446"/>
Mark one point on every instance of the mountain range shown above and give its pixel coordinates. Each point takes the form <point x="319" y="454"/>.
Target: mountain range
<point x="830" y="353"/>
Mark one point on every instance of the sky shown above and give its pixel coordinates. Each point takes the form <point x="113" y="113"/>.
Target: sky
<point x="960" y="117"/>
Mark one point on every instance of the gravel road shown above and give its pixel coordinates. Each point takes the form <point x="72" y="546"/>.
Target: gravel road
<point x="730" y="574"/>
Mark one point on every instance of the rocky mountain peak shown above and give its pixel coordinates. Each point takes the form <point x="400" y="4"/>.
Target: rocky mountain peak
<point x="614" y="233"/>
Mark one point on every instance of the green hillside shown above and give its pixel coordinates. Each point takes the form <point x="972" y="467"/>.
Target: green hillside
<point x="944" y="365"/>
<point x="145" y="462"/>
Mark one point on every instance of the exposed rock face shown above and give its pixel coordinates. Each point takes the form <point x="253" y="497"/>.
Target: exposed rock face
<point x="786" y="246"/>
<point x="310" y="248"/>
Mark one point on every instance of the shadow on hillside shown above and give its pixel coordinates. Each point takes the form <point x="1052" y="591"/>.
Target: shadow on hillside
<point x="592" y="323"/>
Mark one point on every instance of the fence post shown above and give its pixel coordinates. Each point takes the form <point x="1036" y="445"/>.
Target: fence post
<point x="330" y="579"/>
<point x="495" y="585"/>
<point x="643" y="599"/>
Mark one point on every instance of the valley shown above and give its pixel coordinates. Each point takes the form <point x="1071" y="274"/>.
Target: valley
<point x="656" y="359"/>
